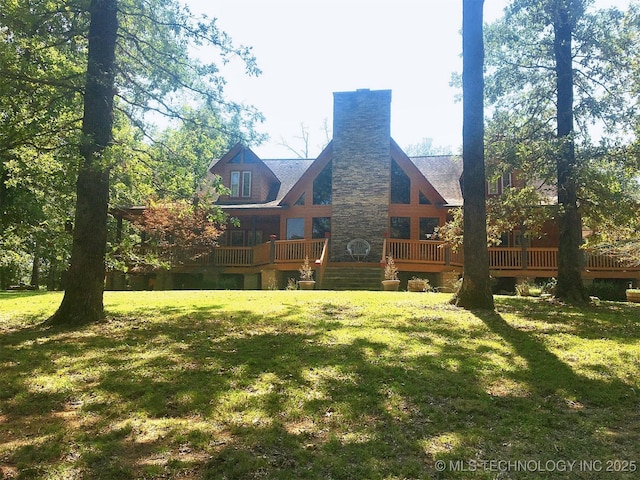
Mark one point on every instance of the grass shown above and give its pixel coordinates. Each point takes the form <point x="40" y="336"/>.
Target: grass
<point x="318" y="385"/>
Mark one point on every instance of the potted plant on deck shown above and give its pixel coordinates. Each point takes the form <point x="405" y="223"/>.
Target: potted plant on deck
<point x="306" y="281"/>
<point x="390" y="282"/>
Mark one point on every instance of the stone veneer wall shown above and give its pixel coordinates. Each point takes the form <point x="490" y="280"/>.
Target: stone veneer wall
<point x="361" y="170"/>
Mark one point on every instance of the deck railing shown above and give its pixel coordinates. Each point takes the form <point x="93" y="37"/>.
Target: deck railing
<point x="233" y="256"/>
<point x="277" y="251"/>
<point x="296" y="250"/>
<point x="323" y="260"/>
<point x="505" y="258"/>
<point x="500" y="258"/>
<point x="416" y="251"/>
<point x="542" y="258"/>
<point x="605" y="262"/>
<point x="262" y="254"/>
<point x="403" y="251"/>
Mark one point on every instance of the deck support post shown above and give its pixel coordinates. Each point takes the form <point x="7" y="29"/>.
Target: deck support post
<point x="272" y="249"/>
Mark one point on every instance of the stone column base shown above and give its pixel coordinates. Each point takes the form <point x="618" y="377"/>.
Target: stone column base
<point x="269" y="279"/>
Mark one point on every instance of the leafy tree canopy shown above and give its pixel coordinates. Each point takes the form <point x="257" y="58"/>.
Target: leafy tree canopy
<point x="521" y="92"/>
<point x="43" y="50"/>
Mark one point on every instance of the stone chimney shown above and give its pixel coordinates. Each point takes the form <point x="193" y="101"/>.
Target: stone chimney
<point x="361" y="170"/>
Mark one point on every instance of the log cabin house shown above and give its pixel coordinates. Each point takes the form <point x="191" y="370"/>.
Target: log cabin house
<point x="361" y="200"/>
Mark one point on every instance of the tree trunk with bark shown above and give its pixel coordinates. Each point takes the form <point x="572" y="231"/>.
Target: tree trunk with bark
<point x="35" y="266"/>
<point x="570" y="259"/>
<point x="475" y="291"/>
<point x="84" y="287"/>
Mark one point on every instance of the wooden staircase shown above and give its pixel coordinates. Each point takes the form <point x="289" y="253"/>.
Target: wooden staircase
<point x="352" y="276"/>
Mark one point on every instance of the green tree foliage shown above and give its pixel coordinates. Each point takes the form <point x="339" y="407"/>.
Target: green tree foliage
<point x="426" y="147"/>
<point x="40" y="80"/>
<point x="171" y="172"/>
<point x="46" y="48"/>
<point x="559" y="87"/>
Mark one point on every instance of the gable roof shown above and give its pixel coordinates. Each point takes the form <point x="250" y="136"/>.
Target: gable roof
<point x="444" y="173"/>
<point x="317" y="166"/>
<point x="421" y="180"/>
<point x="286" y="171"/>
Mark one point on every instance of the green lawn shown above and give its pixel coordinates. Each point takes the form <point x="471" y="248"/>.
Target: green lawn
<point x="319" y="385"/>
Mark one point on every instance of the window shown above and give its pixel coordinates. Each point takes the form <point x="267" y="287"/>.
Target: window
<point x="401" y="227"/>
<point x="300" y="201"/>
<point x="255" y="238"/>
<point x="246" y="184"/>
<point x="322" y="185"/>
<point x="494" y="187"/>
<point x="237" y="238"/>
<point x="506" y="181"/>
<point x="400" y="185"/>
<point x="244" y="156"/>
<point x="295" y="228"/>
<point x="320" y="226"/>
<point x="428" y="227"/>
<point x="240" y="184"/>
<point x="499" y="185"/>
<point x="423" y="199"/>
<point x="235" y="184"/>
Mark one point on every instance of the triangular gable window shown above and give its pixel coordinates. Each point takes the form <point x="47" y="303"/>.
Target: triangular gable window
<point x="400" y="185"/>
<point x="250" y="157"/>
<point x="300" y="201"/>
<point x="322" y="185"/>
<point x="424" y="200"/>
<point x="244" y="156"/>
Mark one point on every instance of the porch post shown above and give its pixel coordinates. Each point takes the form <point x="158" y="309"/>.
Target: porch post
<point x="254" y="226"/>
<point x="272" y="250"/>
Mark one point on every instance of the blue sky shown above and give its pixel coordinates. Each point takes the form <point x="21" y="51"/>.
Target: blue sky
<point x="308" y="49"/>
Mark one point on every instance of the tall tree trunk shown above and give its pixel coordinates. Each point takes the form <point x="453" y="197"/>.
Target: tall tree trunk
<point x="83" y="298"/>
<point x="476" y="289"/>
<point x="35" y="266"/>
<point x="570" y="259"/>
<point x="4" y="280"/>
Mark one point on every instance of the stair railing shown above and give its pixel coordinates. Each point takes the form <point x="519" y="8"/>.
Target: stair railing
<point x="322" y="261"/>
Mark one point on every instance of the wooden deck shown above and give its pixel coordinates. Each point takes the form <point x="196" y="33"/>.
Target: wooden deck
<point x="409" y="255"/>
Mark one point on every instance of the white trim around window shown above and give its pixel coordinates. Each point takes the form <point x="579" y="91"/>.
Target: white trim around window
<point x="246" y="184"/>
<point x="234" y="185"/>
<point x="240" y="184"/>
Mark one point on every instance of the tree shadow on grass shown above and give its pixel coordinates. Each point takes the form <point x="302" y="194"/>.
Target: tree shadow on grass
<point x="246" y="396"/>
<point x="547" y="374"/>
<point x="233" y="395"/>
<point x="616" y="320"/>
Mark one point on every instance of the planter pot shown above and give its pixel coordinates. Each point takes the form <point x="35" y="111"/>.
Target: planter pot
<point x="390" y="285"/>
<point x="417" y="286"/>
<point x="306" y="284"/>
<point x="633" y="296"/>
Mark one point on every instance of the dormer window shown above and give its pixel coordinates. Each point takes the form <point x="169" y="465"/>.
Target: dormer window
<point x="500" y="184"/>
<point x="494" y="187"/>
<point x="240" y="184"/>
<point x="506" y="181"/>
